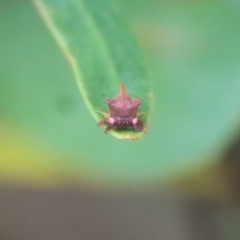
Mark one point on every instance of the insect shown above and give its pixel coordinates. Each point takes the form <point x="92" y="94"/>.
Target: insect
<point x="123" y="113"/>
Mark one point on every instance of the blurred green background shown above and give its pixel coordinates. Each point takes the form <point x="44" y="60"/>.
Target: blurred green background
<point x="47" y="135"/>
<point x="62" y="178"/>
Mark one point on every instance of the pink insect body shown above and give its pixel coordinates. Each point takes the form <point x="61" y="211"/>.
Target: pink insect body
<point x="123" y="113"/>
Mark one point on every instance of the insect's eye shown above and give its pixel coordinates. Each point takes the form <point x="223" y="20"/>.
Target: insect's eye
<point x="111" y="120"/>
<point x="134" y="121"/>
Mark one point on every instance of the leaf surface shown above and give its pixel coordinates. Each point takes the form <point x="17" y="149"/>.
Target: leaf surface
<point x="101" y="51"/>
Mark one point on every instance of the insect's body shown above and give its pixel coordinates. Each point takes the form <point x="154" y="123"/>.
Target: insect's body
<point x="122" y="113"/>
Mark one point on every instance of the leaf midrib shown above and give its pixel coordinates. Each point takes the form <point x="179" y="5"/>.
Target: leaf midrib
<point x="98" y="35"/>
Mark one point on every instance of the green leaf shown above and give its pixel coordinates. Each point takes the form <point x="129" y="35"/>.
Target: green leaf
<point x="101" y="51"/>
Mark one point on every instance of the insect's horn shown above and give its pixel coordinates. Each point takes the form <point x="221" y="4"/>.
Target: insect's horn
<point x="123" y="92"/>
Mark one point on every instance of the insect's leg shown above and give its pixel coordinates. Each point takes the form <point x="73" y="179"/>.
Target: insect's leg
<point x="106" y="115"/>
<point x="139" y="126"/>
<point x="102" y="122"/>
<point x="141" y="113"/>
<point x="109" y="127"/>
